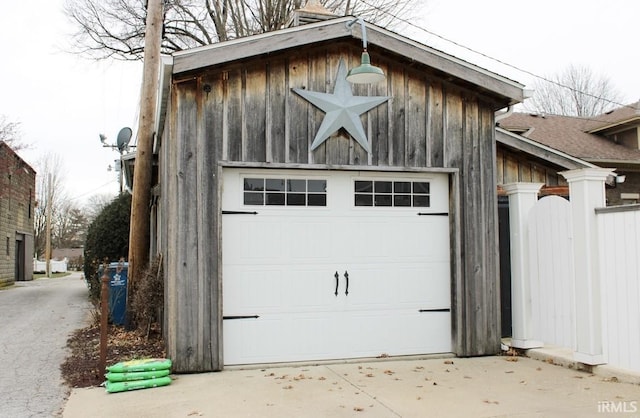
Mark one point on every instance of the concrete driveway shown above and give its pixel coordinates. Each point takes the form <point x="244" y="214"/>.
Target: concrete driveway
<point x="37" y="318"/>
<point x="440" y="387"/>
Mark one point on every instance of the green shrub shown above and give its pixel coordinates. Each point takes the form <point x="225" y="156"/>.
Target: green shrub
<point x="107" y="240"/>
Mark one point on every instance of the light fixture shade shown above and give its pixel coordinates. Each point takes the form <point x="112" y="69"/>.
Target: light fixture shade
<point x="365" y="73"/>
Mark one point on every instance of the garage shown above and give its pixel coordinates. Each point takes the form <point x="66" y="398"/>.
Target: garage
<point x="320" y="265"/>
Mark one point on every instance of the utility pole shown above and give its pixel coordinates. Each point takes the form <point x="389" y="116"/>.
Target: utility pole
<point x="143" y="169"/>
<point x="47" y="250"/>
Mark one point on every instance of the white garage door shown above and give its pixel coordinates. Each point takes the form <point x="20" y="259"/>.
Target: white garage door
<point x="330" y="265"/>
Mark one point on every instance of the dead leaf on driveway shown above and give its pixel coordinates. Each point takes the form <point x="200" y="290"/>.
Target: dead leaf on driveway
<point x="358" y="408"/>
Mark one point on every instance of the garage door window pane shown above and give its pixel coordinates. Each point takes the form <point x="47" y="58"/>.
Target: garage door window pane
<point x="421" y="201"/>
<point x="317" y="186"/>
<point x="296" y="199"/>
<point x="254" y="184"/>
<point x="317" y="200"/>
<point x="383" y="186"/>
<point x="275" y="199"/>
<point x="402" y="200"/>
<point x="420" y="187"/>
<point x="299" y="186"/>
<point x="382" y="200"/>
<point x="253" y="198"/>
<point x="364" y="186"/>
<point x="364" y="200"/>
<point x="275" y="185"/>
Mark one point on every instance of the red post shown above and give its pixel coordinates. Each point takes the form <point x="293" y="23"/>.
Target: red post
<point x="104" y="317"/>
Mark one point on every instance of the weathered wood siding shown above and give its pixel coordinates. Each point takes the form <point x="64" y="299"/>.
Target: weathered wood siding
<point x="515" y="167"/>
<point x="247" y="113"/>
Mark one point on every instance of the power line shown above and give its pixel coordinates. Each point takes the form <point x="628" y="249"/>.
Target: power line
<point x="92" y="191"/>
<point x="502" y="62"/>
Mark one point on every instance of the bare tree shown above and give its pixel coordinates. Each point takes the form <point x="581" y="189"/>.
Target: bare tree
<point x="576" y="91"/>
<point x="10" y="134"/>
<point x="115" y="28"/>
<point x="49" y="193"/>
<point x="95" y="205"/>
<point x="69" y="226"/>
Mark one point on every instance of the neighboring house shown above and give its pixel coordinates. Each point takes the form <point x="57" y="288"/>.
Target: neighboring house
<point x="610" y="140"/>
<point x="74" y="256"/>
<point x="17" y="202"/>
<point x="304" y="218"/>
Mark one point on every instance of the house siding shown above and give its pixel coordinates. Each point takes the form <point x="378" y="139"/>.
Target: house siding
<point x="17" y="201"/>
<point x="246" y="113"/>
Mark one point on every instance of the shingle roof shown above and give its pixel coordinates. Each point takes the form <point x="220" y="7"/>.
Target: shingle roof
<point x="570" y="135"/>
<point x="621" y="115"/>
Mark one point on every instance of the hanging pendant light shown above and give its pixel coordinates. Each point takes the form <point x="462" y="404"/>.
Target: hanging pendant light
<point x="365" y="73"/>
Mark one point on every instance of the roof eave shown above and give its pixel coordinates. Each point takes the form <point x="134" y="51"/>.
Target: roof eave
<point x="539" y="150"/>
<point x="334" y="29"/>
<point x="616" y="124"/>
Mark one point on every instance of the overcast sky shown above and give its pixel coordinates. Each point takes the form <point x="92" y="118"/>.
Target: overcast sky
<point x="63" y="102"/>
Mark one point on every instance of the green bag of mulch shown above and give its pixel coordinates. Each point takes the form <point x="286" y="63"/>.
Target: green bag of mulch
<point x="143" y="365"/>
<point x="127" y="377"/>
<point x="113" y="387"/>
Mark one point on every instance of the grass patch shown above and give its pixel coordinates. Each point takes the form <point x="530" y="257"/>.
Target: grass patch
<point x="53" y="275"/>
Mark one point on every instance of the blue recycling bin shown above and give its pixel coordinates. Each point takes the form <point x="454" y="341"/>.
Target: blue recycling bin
<point x="118" y="274"/>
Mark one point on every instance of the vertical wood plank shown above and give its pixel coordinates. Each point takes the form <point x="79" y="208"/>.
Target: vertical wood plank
<point x="416" y="134"/>
<point x="298" y="132"/>
<point x="254" y="113"/>
<point x="321" y="74"/>
<point x="233" y="115"/>
<point x="208" y="229"/>
<point x="276" y="111"/>
<point x="398" y="119"/>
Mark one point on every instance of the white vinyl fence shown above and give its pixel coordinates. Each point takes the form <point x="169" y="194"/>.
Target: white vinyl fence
<point x="551" y="269"/>
<point x="576" y="271"/>
<point x="56" y="266"/>
<point x="619" y="229"/>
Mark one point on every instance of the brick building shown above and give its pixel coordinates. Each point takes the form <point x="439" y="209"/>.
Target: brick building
<point x="17" y="201"/>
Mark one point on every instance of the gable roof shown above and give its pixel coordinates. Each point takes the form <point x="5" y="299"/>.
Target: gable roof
<point x="332" y="30"/>
<point x="570" y="135"/>
<point x="628" y="115"/>
<point x="537" y="149"/>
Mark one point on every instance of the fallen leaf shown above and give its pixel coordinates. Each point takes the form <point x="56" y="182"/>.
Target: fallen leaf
<point x="369" y="375"/>
<point x="448" y="362"/>
<point x="389" y="372"/>
<point x="358" y="408"/>
<point x="512" y="358"/>
<point x="195" y="413"/>
<point x="322" y="378"/>
<point x="287" y="387"/>
<point x="492" y="402"/>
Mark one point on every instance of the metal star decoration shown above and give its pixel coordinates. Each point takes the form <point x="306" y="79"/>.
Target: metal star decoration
<point x="342" y="110"/>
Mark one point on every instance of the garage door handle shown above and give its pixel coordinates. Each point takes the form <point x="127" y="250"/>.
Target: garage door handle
<point x="346" y="277"/>
<point x="337" y="276"/>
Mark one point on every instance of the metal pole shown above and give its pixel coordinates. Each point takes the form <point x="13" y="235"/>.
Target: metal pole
<point x="104" y="318"/>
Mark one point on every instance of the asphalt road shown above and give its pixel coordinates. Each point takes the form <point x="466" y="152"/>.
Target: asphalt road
<point x="36" y="318"/>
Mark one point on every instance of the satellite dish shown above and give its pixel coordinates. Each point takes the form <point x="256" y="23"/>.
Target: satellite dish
<point x="123" y="138"/>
